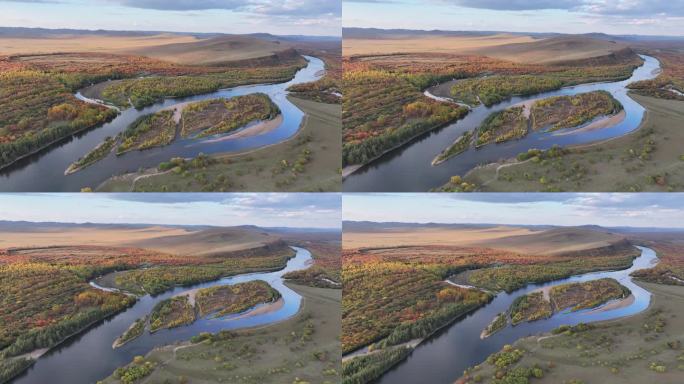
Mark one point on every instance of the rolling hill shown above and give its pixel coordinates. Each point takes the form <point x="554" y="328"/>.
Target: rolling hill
<point x="567" y="49"/>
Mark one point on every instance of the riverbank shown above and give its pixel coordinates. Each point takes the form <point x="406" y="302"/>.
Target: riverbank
<point x="263" y="354"/>
<point x="52" y="143"/>
<point x="427" y="360"/>
<point x="620" y="351"/>
<point x="351" y="169"/>
<point x="316" y="144"/>
<point x="33" y="356"/>
<point x="45" y="172"/>
<point x="389" y="173"/>
<point x="648" y="159"/>
<point x="252" y="129"/>
<point x="95" y="346"/>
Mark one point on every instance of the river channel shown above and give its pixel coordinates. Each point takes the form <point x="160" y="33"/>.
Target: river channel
<point x="89" y="357"/>
<point x="444" y="357"/>
<point x="409" y="169"/>
<point x="44" y="171"/>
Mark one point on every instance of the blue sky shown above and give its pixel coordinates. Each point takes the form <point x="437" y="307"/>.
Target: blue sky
<point x="283" y="17"/>
<point x="605" y="209"/>
<point x="311" y="210"/>
<point x="646" y="17"/>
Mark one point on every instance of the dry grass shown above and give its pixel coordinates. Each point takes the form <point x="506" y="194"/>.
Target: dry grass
<point x="515" y="48"/>
<point x="428" y="236"/>
<point x="211" y="51"/>
<point x="505" y="238"/>
<point x="174" y="48"/>
<point x="438" y="44"/>
<point x="90" y="236"/>
<point x="176" y="241"/>
<point x="553" y="50"/>
<point x="554" y="241"/>
<point x="87" y="43"/>
<point x="209" y="242"/>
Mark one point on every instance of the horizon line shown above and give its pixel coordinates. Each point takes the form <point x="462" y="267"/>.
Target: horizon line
<point x="490" y="223"/>
<point x="162" y="31"/>
<point x="505" y="31"/>
<point x="158" y="224"/>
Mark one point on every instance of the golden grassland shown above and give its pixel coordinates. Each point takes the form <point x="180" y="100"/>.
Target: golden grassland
<point x="169" y="47"/>
<point x="430" y="43"/>
<point x="649" y="159"/>
<point x="309" y="161"/>
<point x="302" y="349"/>
<point x="508" y="238"/>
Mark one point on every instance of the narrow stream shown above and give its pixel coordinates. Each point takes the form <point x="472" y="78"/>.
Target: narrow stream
<point x="409" y="169"/>
<point x="443" y="358"/>
<point x="89" y="356"/>
<point x="44" y="171"/>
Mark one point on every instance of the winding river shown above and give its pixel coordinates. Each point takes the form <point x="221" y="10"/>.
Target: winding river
<point x="44" y="171"/>
<point x="443" y="358"/>
<point x="89" y="356"/>
<point x="409" y="169"/>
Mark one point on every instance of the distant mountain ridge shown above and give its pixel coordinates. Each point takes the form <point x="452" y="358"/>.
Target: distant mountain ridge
<point x="348" y="225"/>
<point x="42" y="32"/>
<point x="23" y="225"/>
<point x="356" y="32"/>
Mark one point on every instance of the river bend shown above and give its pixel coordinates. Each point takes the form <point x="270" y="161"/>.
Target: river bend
<point x="409" y="169"/>
<point x="44" y="171"/>
<point x="443" y="358"/>
<point x="89" y="357"/>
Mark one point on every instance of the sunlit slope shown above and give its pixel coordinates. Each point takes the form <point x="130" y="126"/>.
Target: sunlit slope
<point x="213" y="242"/>
<point x="183" y="241"/>
<point x="170" y="47"/>
<point x="517" y="239"/>
<point x="516" y="47"/>
<point x="214" y="50"/>
<point x="557" y="241"/>
<point x="558" y="50"/>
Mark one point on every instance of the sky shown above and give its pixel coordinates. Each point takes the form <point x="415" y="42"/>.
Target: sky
<point x="566" y="209"/>
<point x="282" y="17"/>
<point x="641" y="17"/>
<point x="301" y="210"/>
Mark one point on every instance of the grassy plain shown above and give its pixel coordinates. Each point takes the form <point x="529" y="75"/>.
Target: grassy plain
<point x="558" y="49"/>
<point x="648" y="159"/>
<point x="646" y="347"/>
<point x="532" y="241"/>
<point x="385" y="107"/>
<point x="61" y="43"/>
<point x="511" y="47"/>
<point x="95" y="235"/>
<point x="398" y="280"/>
<point x="193" y="242"/>
<point x="302" y="349"/>
<point x="44" y="275"/>
<point x="429" y="43"/>
<point x="175" y="48"/>
<point x="310" y="161"/>
<point x="218" y="50"/>
<point x="40" y="72"/>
